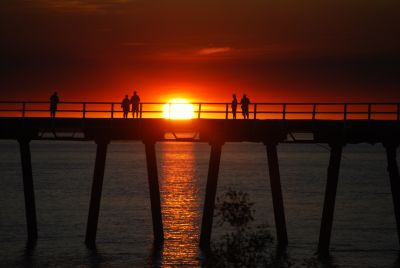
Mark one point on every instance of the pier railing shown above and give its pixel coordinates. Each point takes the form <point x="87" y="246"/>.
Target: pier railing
<point x="208" y="110"/>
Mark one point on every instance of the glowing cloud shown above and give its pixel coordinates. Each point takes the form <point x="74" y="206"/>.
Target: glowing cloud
<point x="213" y="50"/>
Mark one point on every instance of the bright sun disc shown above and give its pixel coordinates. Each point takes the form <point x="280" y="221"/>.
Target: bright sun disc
<point x="178" y="109"/>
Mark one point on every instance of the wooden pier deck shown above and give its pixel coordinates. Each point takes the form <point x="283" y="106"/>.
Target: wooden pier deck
<point x="302" y="126"/>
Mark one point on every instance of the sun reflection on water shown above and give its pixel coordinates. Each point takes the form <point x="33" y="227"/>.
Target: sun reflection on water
<point x="180" y="205"/>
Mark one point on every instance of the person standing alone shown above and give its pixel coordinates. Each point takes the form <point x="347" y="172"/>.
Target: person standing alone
<point x="54" y="100"/>
<point x="135" y="100"/>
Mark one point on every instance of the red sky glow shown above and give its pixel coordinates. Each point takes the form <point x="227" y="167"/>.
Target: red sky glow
<point x="200" y="50"/>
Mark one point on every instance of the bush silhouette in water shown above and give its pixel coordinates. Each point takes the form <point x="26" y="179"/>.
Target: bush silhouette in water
<point x="243" y="245"/>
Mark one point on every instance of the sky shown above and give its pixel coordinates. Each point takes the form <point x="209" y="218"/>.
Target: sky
<point x="274" y="51"/>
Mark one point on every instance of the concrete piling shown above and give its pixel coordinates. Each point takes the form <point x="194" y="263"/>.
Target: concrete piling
<point x="211" y="190"/>
<point x="329" y="202"/>
<point x="277" y="199"/>
<point x="154" y="190"/>
<point x="29" y="194"/>
<point x="97" y="186"/>
<point x="393" y="171"/>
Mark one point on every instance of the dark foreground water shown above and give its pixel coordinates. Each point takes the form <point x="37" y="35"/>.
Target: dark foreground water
<point x="364" y="233"/>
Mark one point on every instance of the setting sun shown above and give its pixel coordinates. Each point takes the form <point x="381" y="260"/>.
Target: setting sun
<point x="178" y="109"/>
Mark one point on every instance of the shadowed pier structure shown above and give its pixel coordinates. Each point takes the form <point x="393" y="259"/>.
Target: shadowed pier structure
<point x="97" y="186"/>
<point x="336" y="132"/>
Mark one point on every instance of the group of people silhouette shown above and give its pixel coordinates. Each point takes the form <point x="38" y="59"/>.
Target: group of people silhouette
<point x="134" y="101"/>
<point x="244" y="104"/>
<point x="126" y="104"/>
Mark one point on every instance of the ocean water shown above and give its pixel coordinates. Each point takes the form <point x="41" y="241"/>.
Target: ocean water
<point x="364" y="233"/>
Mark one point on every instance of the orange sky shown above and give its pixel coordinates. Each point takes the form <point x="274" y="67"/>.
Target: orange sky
<point x="203" y="50"/>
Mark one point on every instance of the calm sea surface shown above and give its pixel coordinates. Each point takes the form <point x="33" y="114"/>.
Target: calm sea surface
<point x="364" y="233"/>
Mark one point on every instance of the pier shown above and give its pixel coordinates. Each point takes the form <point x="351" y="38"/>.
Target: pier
<point x="335" y="124"/>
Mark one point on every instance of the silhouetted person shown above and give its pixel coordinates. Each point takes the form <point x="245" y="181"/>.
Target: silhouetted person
<point x="125" y="104"/>
<point x="135" y="100"/>
<point x="245" y="106"/>
<point x="234" y="106"/>
<point x="54" y="100"/>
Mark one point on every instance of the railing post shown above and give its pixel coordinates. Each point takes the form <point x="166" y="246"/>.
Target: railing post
<point x="284" y="111"/>
<point x="255" y="110"/>
<point x="226" y="110"/>
<point x="84" y="110"/>
<point x="198" y="115"/>
<point x="345" y="112"/>
<point x="140" y="110"/>
<point x="398" y="111"/>
<point x="112" y="110"/>
<point x="314" y="111"/>
<point x="23" y="109"/>
<point x="369" y="111"/>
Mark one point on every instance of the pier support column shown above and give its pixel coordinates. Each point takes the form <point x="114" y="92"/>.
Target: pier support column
<point x="329" y="202"/>
<point x="29" y="194"/>
<point x="97" y="186"/>
<point x="211" y="190"/>
<point x="277" y="199"/>
<point x="394" y="182"/>
<point x="154" y="190"/>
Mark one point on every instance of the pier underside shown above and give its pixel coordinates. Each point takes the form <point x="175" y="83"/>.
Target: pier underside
<point x="203" y="130"/>
<point x="216" y="132"/>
